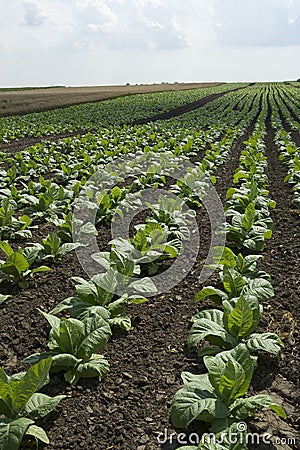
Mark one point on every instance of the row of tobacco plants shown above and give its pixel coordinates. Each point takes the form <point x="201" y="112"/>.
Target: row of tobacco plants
<point x="226" y="336"/>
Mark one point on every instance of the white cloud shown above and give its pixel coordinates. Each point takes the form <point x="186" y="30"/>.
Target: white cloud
<point x="146" y="40"/>
<point x="258" y="23"/>
<point x="34" y="14"/>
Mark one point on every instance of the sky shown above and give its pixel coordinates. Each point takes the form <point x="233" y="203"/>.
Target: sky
<point x="106" y="42"/>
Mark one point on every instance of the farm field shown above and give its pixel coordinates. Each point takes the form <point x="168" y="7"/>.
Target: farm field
<point x="225" y="162"/>
<point x="14" y="102"/>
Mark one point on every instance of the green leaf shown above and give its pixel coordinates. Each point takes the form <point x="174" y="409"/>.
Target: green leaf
<point x="16" y="394"/>
<point x="240" y="320"/>
<point x="63" y="361"/>
<point x="214" y="294"/>
<point x="40" y="405"/>
<point x="209" y="326"/>
<point x="122" y="322"/>
<point x="51" y="244"/>
<point x="249" y="217"/>
<point x="233" y="281"/>
<point x="96" y="366"/>
<point x="41" y="269"/>
<point x="193" y="403"/>
<point x="144" y="285"/>
<point x="69" y="336"/>
<point x="65" y="304"/>
<point x="67" y="248"/>
<point x="96" y="334"/>
<point x="246" y="407"/>
<point x="140" y="240"/>
<point x="3" y="298"/>
<point x="15" y="264"/>
<point x="260" y="288"/>
<point x="12" y="432"/>
<point x="38" y="433"/>
<point x="81" y="310"/>
<point x="118" y="306"/>
<point x="230" y="372"/>
<point x="267" y="342"/>
<point x="116" y="193"/>
<point x="6" y="248"/>
<point x="224" y="256"/>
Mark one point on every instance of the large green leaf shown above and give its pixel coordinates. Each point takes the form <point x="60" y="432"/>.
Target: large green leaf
<point x="214" y="294"/>
<point x="198" y="380"/>
<point x="239" y="321"/>
<point x="267" y="342"/>
<point x="230" y="372"/>
<point x="40" y="405"/>
<point x="96" y="366"/>
<point x="17" y="393"/>
<point x="246" y="407"/>
<point x="81" y="310"/>
<point x="210" y="327"/>
<point x="193" y="403"/>
<point x="12" y="432"/>
<point x="233" y="281"/>
<point x="96" y="333"/>
<point x="226" y="378"/>
<point x="260" y="288"/>
<point x="70" y="335"/>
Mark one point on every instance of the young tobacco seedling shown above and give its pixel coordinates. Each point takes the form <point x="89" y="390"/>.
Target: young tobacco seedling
<point x="149" y="246"/>
<point x="217" y="397"/>
<point x="236" y="285"/>
<point x="10" y="227"/>
<point x="21" y="405"/>
<point x="96" y="296"/>
<point x="16" y="267"/>
<point x="53" y="249"/>
<point x="225" y="330"/>
<point x="247" y="230"/>
<point x="73" y="345"/>
<point x="246" y="266"/>
<point x="171" y="212"/>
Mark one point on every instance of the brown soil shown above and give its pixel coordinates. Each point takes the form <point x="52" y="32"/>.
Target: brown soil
<point x="35" y="100"/>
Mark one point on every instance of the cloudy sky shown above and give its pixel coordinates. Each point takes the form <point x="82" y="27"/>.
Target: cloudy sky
<point x="94" y="42"/>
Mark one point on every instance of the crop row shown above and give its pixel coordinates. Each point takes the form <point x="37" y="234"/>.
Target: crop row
<point x="91" y="116"/>
<point x="289" y="152"/>
<point x="226" y="336"/>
